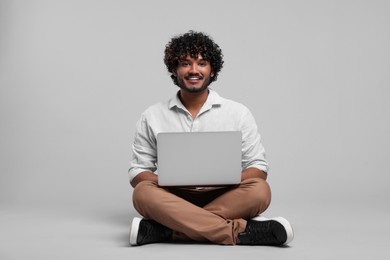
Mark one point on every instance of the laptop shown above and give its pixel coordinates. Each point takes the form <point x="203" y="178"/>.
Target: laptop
<point x="199" y="158"/>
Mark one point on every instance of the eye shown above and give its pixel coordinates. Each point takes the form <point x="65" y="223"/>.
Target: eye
<point x="203" y="63"/>
<point x="184" y="63"/>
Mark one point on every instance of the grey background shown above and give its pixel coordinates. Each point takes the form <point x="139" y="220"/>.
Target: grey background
<point x="75" y="76"/>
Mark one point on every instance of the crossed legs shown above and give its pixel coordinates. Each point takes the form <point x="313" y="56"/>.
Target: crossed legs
<point x="216" y="216"/>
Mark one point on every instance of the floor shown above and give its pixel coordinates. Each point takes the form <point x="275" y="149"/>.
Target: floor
<point x="321" y="232"/>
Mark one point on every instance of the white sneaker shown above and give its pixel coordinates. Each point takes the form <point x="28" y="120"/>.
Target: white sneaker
<point x="267" y="231"/>
<point x="144" y="231"/>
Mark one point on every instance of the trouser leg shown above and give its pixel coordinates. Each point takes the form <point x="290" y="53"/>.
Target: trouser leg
<point x="219" y="221"/>
<point x="238" y="203"/>
<point x="251" y="198"/>
<point x="185" y="218"/>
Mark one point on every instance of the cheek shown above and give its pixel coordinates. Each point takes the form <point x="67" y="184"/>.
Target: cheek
<point x="206" y="71"/>
<point x="180" y="72"/>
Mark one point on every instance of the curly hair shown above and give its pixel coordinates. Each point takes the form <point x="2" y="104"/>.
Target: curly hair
<point x="193" y="43"/>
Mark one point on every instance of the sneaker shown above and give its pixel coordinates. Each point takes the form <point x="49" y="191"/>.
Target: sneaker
<point x="264" y="231"/>
<point x="144" y="231"/>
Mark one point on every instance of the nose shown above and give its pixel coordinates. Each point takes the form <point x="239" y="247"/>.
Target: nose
<point x="194" y="68"/>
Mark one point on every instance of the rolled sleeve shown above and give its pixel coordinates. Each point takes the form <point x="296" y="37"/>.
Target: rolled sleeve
<point x="253" y="152"/>
<point x="144" y="150"/>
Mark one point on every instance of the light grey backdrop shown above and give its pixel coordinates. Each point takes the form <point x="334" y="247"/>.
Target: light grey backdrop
<point x="75" y="76"/>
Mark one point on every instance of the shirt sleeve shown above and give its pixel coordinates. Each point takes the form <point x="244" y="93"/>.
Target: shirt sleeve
<point x="253" y="152"/>
<point x="144" y="150"/>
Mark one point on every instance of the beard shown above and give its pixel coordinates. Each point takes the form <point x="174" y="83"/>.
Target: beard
<point x="182" y="85"/>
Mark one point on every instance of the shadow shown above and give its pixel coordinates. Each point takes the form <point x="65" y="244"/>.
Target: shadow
<point x="119" y="218"/>
<point x="120" y="221"/>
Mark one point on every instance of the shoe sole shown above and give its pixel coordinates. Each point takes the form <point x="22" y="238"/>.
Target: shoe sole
<point x="134" y="231"/>
<point x="284" y="222"/>
<point x="260" y="218"/>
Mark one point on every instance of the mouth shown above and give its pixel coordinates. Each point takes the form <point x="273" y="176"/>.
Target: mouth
<point x="194" y="78"/>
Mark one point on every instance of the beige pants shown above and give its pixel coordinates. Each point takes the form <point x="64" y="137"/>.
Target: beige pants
<point x="204" y="215"/>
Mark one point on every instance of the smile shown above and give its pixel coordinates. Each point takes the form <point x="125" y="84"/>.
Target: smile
<point x="194" y="78"/>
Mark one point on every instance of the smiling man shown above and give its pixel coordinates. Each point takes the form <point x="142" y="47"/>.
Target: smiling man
<point x="222" y="215"/>
<point x="193" y="74"/>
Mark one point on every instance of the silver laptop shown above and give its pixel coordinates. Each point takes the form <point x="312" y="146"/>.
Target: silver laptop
<point x="199" y="158"/>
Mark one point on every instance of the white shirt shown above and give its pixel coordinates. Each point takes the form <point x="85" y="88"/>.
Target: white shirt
<point x="217" y="114"/>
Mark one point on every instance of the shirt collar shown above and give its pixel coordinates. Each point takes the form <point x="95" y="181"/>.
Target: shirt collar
<point x="213" y="99"/>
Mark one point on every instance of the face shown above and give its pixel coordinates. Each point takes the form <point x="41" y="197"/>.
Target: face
<point x="193" y="74"/>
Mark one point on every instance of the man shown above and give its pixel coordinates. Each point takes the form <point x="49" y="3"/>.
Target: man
<point x="222" y="215"/>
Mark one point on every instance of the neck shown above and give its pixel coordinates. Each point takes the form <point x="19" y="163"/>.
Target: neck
<point x="193" y="101"/>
